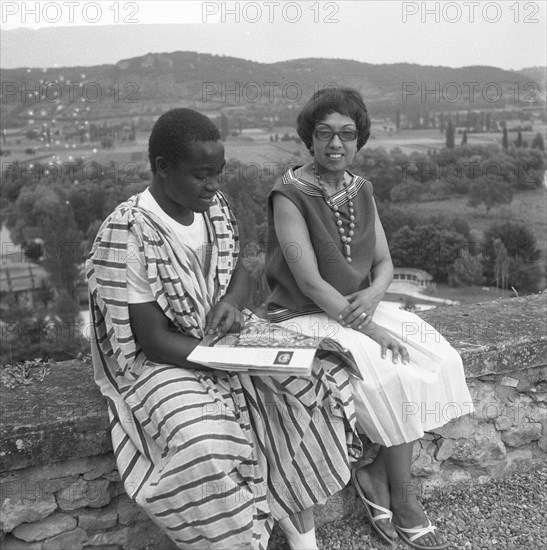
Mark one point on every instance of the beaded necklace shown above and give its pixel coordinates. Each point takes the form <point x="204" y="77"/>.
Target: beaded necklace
<point x="346" y="240"/>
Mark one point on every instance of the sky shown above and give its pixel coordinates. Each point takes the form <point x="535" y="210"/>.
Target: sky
<point x="506" y="34"/>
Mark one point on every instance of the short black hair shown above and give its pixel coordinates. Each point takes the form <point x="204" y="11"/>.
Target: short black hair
<point x="346" y="101"/>
<point x="174" y="131"/>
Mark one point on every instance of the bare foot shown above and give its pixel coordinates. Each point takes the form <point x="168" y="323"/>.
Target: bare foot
<point x="374" y="485"/>
<point x="408" y="513"/>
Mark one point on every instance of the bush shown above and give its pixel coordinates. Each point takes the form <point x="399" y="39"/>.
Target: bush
<point x="523" y="254"/>
<point x="107" y="142"/>
<point x="427" y="247"/>
<point x="491" y="193"/>
<point x="411" y="191"/>
<point x="467" y="270"/>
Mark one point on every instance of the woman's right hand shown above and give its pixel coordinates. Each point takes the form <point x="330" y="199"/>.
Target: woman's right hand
<point x="386" y="341"/>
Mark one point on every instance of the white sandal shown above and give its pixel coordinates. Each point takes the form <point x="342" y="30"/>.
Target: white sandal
<point x="416" y="533"/>
<point x="386" y="514"/>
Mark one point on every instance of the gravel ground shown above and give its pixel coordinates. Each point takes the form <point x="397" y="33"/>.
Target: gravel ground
<point x="508" y="513"/>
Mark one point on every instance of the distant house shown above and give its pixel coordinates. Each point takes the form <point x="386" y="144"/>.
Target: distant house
<point x="419" y="277"/>
<point x="22" y="281"/>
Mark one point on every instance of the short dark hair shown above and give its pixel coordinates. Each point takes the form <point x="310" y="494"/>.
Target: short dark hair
<point x="345" y="101"/>
<point x="174" y="131"/>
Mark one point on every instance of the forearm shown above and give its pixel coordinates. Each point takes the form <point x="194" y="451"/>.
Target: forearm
<point x="382" y="275"/>
<point x="173" y="348"/>
<point x="324" y="295"/>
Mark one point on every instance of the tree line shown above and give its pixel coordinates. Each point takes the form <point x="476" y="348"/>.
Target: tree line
<point x="56" y="221"/>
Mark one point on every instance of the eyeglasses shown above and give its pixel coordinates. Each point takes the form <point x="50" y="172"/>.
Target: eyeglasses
<point x="327" y="135"/>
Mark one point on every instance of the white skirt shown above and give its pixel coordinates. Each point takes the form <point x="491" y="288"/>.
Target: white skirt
<point x="397" y="403"/>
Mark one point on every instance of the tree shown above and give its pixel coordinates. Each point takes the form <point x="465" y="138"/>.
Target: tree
<point x="450" y="135"/>
<point x="488" y="122"/>
<point x="427" y="247"/>
<point x="381" y="168"/>
<point x="491" y="193"/>
<point x="107" y="142"/>
<point x="223" y="127"/>
<point x="410" y="192"/>
<point x="523" y="272"/>
<point x="538" y="143"/>
<point x="501" y="264"/>
<point x="518" y="142"/>
<point x="505" y="139"/>
<point x="467" y="270"/>
<point x="45" y="213"/>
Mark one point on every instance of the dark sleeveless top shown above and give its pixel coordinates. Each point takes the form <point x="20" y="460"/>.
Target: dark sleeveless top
<point x="286" y="300"/>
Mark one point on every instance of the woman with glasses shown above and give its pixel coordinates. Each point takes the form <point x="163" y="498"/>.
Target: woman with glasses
<point x="328" y="266"/>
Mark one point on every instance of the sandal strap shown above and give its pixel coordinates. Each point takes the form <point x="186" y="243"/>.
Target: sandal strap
<point x="386" y="514"/>
<point x="418" y="532"/>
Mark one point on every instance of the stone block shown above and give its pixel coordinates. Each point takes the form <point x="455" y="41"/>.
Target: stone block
<point x="506" y="394"/>
<point x="11" y="543"/>
<point x="14" y="512"/>
<point x="114" y="475"/>
<point x="130" y="512"/>
<point x="445" y="448"/>
<point x="487" y="408"/>
<point x="73" y="540"/>
<point x="48" y="527"/>
<point x="542" y="441"/>
<point x="540" y="397"/>
<point x="459" y="428"/>
<point x="50" y="486"/>
<point x="82" y="493"/>
<point x="98" y="519"/>
<point x="117" y="536"/>
<point x="103" y="466"/>
<point x="503" y="423"/>
<point x="116" y="489"/>
<point x="483" y="445"/>
<point x="522" y="434"/>
<point x="61" y="469"/>
<point x="423" y="465"/>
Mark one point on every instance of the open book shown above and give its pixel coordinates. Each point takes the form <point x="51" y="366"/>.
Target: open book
<point x="263" y="348"/>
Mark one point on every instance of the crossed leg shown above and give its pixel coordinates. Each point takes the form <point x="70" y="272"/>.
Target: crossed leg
<point x="387" y="482"/>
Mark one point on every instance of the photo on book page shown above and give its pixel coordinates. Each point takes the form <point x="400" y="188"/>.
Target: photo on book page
<point x="268" y="349"/>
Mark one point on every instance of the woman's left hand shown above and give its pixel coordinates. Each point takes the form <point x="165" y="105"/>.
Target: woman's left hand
<point x="363" y="304"/>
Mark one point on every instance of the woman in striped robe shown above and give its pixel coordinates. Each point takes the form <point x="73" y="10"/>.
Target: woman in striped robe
<point x="212" y="457"/>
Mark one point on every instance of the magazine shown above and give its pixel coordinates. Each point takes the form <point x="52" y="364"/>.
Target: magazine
<point x="263" y="348"/>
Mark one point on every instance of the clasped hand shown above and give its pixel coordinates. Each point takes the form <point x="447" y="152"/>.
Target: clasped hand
<point x="362" y="305"/>
<point x="224" y="317"/>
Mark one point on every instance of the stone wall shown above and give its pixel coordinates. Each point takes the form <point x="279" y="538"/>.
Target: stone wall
<point x="60" y="489"/>
<point x="68" y="504"/>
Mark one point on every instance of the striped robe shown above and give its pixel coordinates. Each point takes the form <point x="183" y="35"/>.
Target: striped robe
<point x="212" y="457"/>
